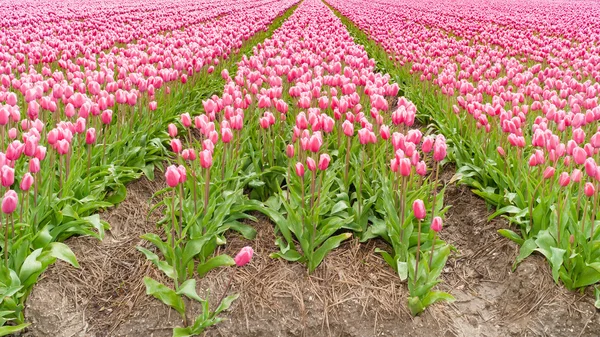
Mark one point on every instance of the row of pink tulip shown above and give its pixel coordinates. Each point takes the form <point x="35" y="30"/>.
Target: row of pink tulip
<point x="308" y="101"/>
<point x="85" y="94"/>
<point x="520" y="100"/>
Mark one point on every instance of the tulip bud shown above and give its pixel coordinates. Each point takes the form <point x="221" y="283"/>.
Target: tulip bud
<point x="436" y="224"/>
<point x="300" y="169"/>
<point x="26" y="182"/>
<point x="206" y="159"/>
<point x="90" y="136"/>
<point x="8" y="175"/>
<point x="564" y="179"/>
<point x="186" y="120"/>
<point x="419" y="209"/>
<point x="549" y="172"/>
<point x="34" y="165"/>
<point x="176" y="145"/>
<point x="9" y="202"/>
<point x="172" y="176"/>
<point x="324" y="161"/>
<point x="589" y="189"/>
<point x="244" y="256"/>
<point x="106" y="117"/>
<point x="172" y="130"/>
<point x="289" y="151"/>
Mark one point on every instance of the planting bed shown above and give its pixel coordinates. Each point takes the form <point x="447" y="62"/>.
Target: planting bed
<point x="300" y="168"/>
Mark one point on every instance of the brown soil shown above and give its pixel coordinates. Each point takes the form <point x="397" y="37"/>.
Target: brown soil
<point x="353" y="293"/>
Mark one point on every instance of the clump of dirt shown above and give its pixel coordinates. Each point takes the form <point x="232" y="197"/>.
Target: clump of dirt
<point x="353" y="293"/>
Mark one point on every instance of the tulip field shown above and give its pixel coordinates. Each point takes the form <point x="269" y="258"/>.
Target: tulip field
<point x="275" y="137"/>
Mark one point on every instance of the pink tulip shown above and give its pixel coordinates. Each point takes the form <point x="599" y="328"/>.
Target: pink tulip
<point x="8" y="175"/>
<point x="26" y="182"/>
<point x="244" y="256"/>
<point x="348" y="128"/>
<point x="405" y="167"/>
<point x="311" y="164"/>
<point x="289" y="151"/>
<point x="106" y="117"/>
<point x="564" y="179"/>
<point x="589" y="189"/>
<point x="206" y="159"/>
<point x="324" y="161"/>
<point x="172" y="176"/>
<point x="34" y="165"/>
<point x="176" y="145"/>
<point x="186" y="120"/>
<point x="436" y="224"/>
<point x="90" y="136"/>
<point x="9" y="202"/>
<point x="172" y="130"/>
<point x="300" y="169"/>
<point x="549" y="172"/>
<point x="419" y="209"/>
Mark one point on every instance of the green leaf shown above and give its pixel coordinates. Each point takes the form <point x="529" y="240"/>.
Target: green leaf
<point x="556" y="260"/>
<point x="436" y="296"/>
<point x="193" y="248"/>
<point x="415" y="306"/>
<point x="597" y="295"/>
<point x="164" y="294"/>
<point x="586" y="277"/>
<point x="63" y="252"/>
<point x="160" y="264"/>
<point x="188" y="288"/>
<point x="526" y="249"/>
<point x="182" y="332"/>
<point x="118" y="195"/>
<point x="215" y="262"/>
<point x="248" y="232"/>
<point x="507" y="233"/>
<point x="149" y="171"/>
<point x="225" y="303"/>
<point x="329" y="244"/>
<point x="9" y="330"/>
<point x="402" y="270"/>
<point x="338" y="207"/>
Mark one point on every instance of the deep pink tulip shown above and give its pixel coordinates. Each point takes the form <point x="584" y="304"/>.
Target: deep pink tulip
<point x="300" y="169"/>
<point x="172" y="176"/>
<point x="419" y="209"/>
<point x="436" y="224"/>
<point x="244" y="256"/>
<point x="90" y="136"/>
<point x="172" y="130"/>
<point x="26" y="182"/>
<point x="10" y="202"/>
<point x="324" y="161"/>
<point x="206" y="159"/>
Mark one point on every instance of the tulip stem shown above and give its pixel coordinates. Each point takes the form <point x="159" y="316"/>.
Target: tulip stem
<point x="89" y="157"/>
<point x="180" y="209"/>
<point x="360" y="183"/>
<point x="104" y="145"/>
<point x="417" y="257"/>
<point x="594" y="211"/>
<point x="347" y="161"/>
<point x="432" y="249"/>
<point x="302" y="201"/>
<point x="226" y="288"/>
<point x="583" y="216"/>
<point x="6" y="242"/>
<point x="206" y="189"/>
<point x="223" y="161"/>
<point x="402" y="207"/>
<point x="435" y="182"/>
<point x="193" y="174"/>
